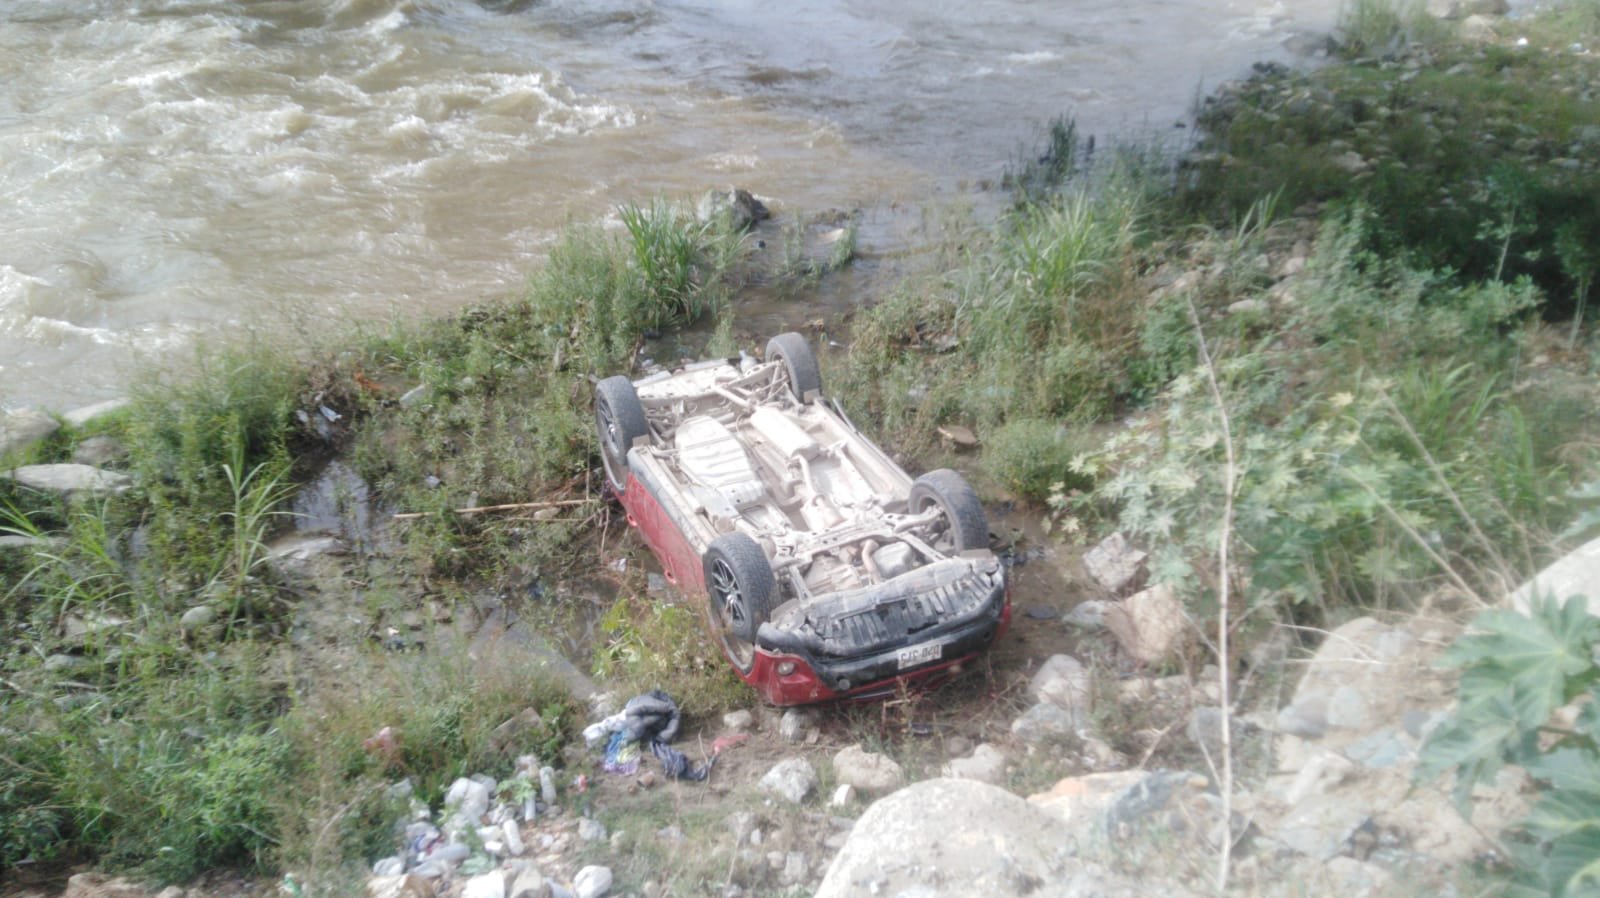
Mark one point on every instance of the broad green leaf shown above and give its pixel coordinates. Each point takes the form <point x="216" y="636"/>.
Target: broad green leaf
<point x="1568" y="770"/>
<point x="1534" y="655"/>
<point x="1574" y="864"/>
<point x="1562" y="813"/>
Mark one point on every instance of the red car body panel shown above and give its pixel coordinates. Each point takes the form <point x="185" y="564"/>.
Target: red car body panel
<point x="681" y="565"/>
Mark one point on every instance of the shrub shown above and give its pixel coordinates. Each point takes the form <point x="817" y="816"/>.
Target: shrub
<point x="1516" y="671"/>
<point x="1033" y="457"/>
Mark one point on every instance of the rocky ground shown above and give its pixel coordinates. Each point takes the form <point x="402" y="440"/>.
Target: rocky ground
<point x="1082" y="756"/>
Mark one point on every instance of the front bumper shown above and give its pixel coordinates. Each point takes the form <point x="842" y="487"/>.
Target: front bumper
<point x="866" y="643"/>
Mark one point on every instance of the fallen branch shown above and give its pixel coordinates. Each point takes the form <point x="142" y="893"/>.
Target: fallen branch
<point x="515" y="506"/>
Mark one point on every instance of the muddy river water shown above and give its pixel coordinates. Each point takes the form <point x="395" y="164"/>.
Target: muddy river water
<point x="177" y="168"/>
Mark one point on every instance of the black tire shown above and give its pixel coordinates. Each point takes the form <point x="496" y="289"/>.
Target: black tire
<point x="965" y="527"/>
<point x="798" y="361"/>
<point x="619" y="420"/>
<point x="741" y="587"/>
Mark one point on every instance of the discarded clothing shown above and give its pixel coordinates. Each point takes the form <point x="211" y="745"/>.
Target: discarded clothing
<point x="647" y="721"/>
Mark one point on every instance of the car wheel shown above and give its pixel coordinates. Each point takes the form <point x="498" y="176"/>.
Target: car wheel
<point x="799" y="362"/>
<point x="962" y="526"/>
<point x="741" y="585"/>
<point x="619" y="420"/>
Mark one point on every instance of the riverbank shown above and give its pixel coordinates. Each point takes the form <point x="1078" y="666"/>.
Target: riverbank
<point x="1395" y="363"/>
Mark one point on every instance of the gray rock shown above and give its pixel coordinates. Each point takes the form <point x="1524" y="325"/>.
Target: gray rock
<point x="793" y="726"/>
<point x="1115" y="565"/>
<point x="389" y="866"/>
<point x="987" y="765"/>
<point x="1063" y="680"/>
<point x="1045" y="722"/>
<point x="988" y="842"/>
<point x="1307" y="717"/>
<point x="488" y="885"/>
<point x="1204" y="729"/>
<point x="196" y="618"/>
<point x="78" y="417"/>
<point x="741" y="824"/>
<point x="735" y="204"/>
<point x="591" y="830"/>
<point x="738" y="721"/>
<point x="791" y="779"/>
<point x="23" y="427"/>
<point x="592" y="882"/>
<point x="71" y="480"/>
<point x="293" y="554"/>
<point x="1090" y="615"/>
<point x="99" y="452"/>
<point x="1347" y="709"/>
<point x="529" y="883"/>
<point x="795" y="868"/>
<point x="868" y="771"/>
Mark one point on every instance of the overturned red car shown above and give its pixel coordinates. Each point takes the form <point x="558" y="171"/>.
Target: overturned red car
<point x="830" y="572"/>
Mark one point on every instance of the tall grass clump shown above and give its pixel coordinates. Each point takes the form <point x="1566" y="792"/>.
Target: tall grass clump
<point x="1037" y="321"/>
<point x="1380" y="27"/>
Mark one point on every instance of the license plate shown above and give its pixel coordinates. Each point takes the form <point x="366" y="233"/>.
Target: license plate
<point x="918" y="654"/>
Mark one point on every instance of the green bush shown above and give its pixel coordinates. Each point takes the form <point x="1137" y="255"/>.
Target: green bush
<point x="1033" y="457"/>
<point x="1516" y="671"/>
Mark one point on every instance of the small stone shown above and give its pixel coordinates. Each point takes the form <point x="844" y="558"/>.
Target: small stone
<point x="792" y="727"/>
<point x="791" y="779"/>
<point x="591" y="830"/>
<point x="867" y="771"/>
<point x="196" y="618"/>
<point x="1246" y="307"/>
<point x="1064" y="680"/>
<point x="738" y="721"/>
<point x="99" y="452"/>
<point x="78" y="417"/>
<point x="958" y="436"/>
<point x="389" y="866"/>
<point x="843" y="796"/>
<point x="592" y="882"/>
<point x="411" y="885"/>
<point x="741" y="823"/>
<point x="1045" y="722"/>
<point x="987" y="765"/>
<point x="528" y="884"/>
<point x="1114" y="564"/>
<point x="795" y="868"/>
<point x="488" y="885"/>
<point x="1090" y="615"/>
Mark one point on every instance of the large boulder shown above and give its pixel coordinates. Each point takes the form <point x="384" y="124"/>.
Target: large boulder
<point x="1346" y="749"/>
<point x="23" y="427"/>
<point x="1574" y="574"/>
<point x="71" y="480"/>
<point x="953" y="838"/>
